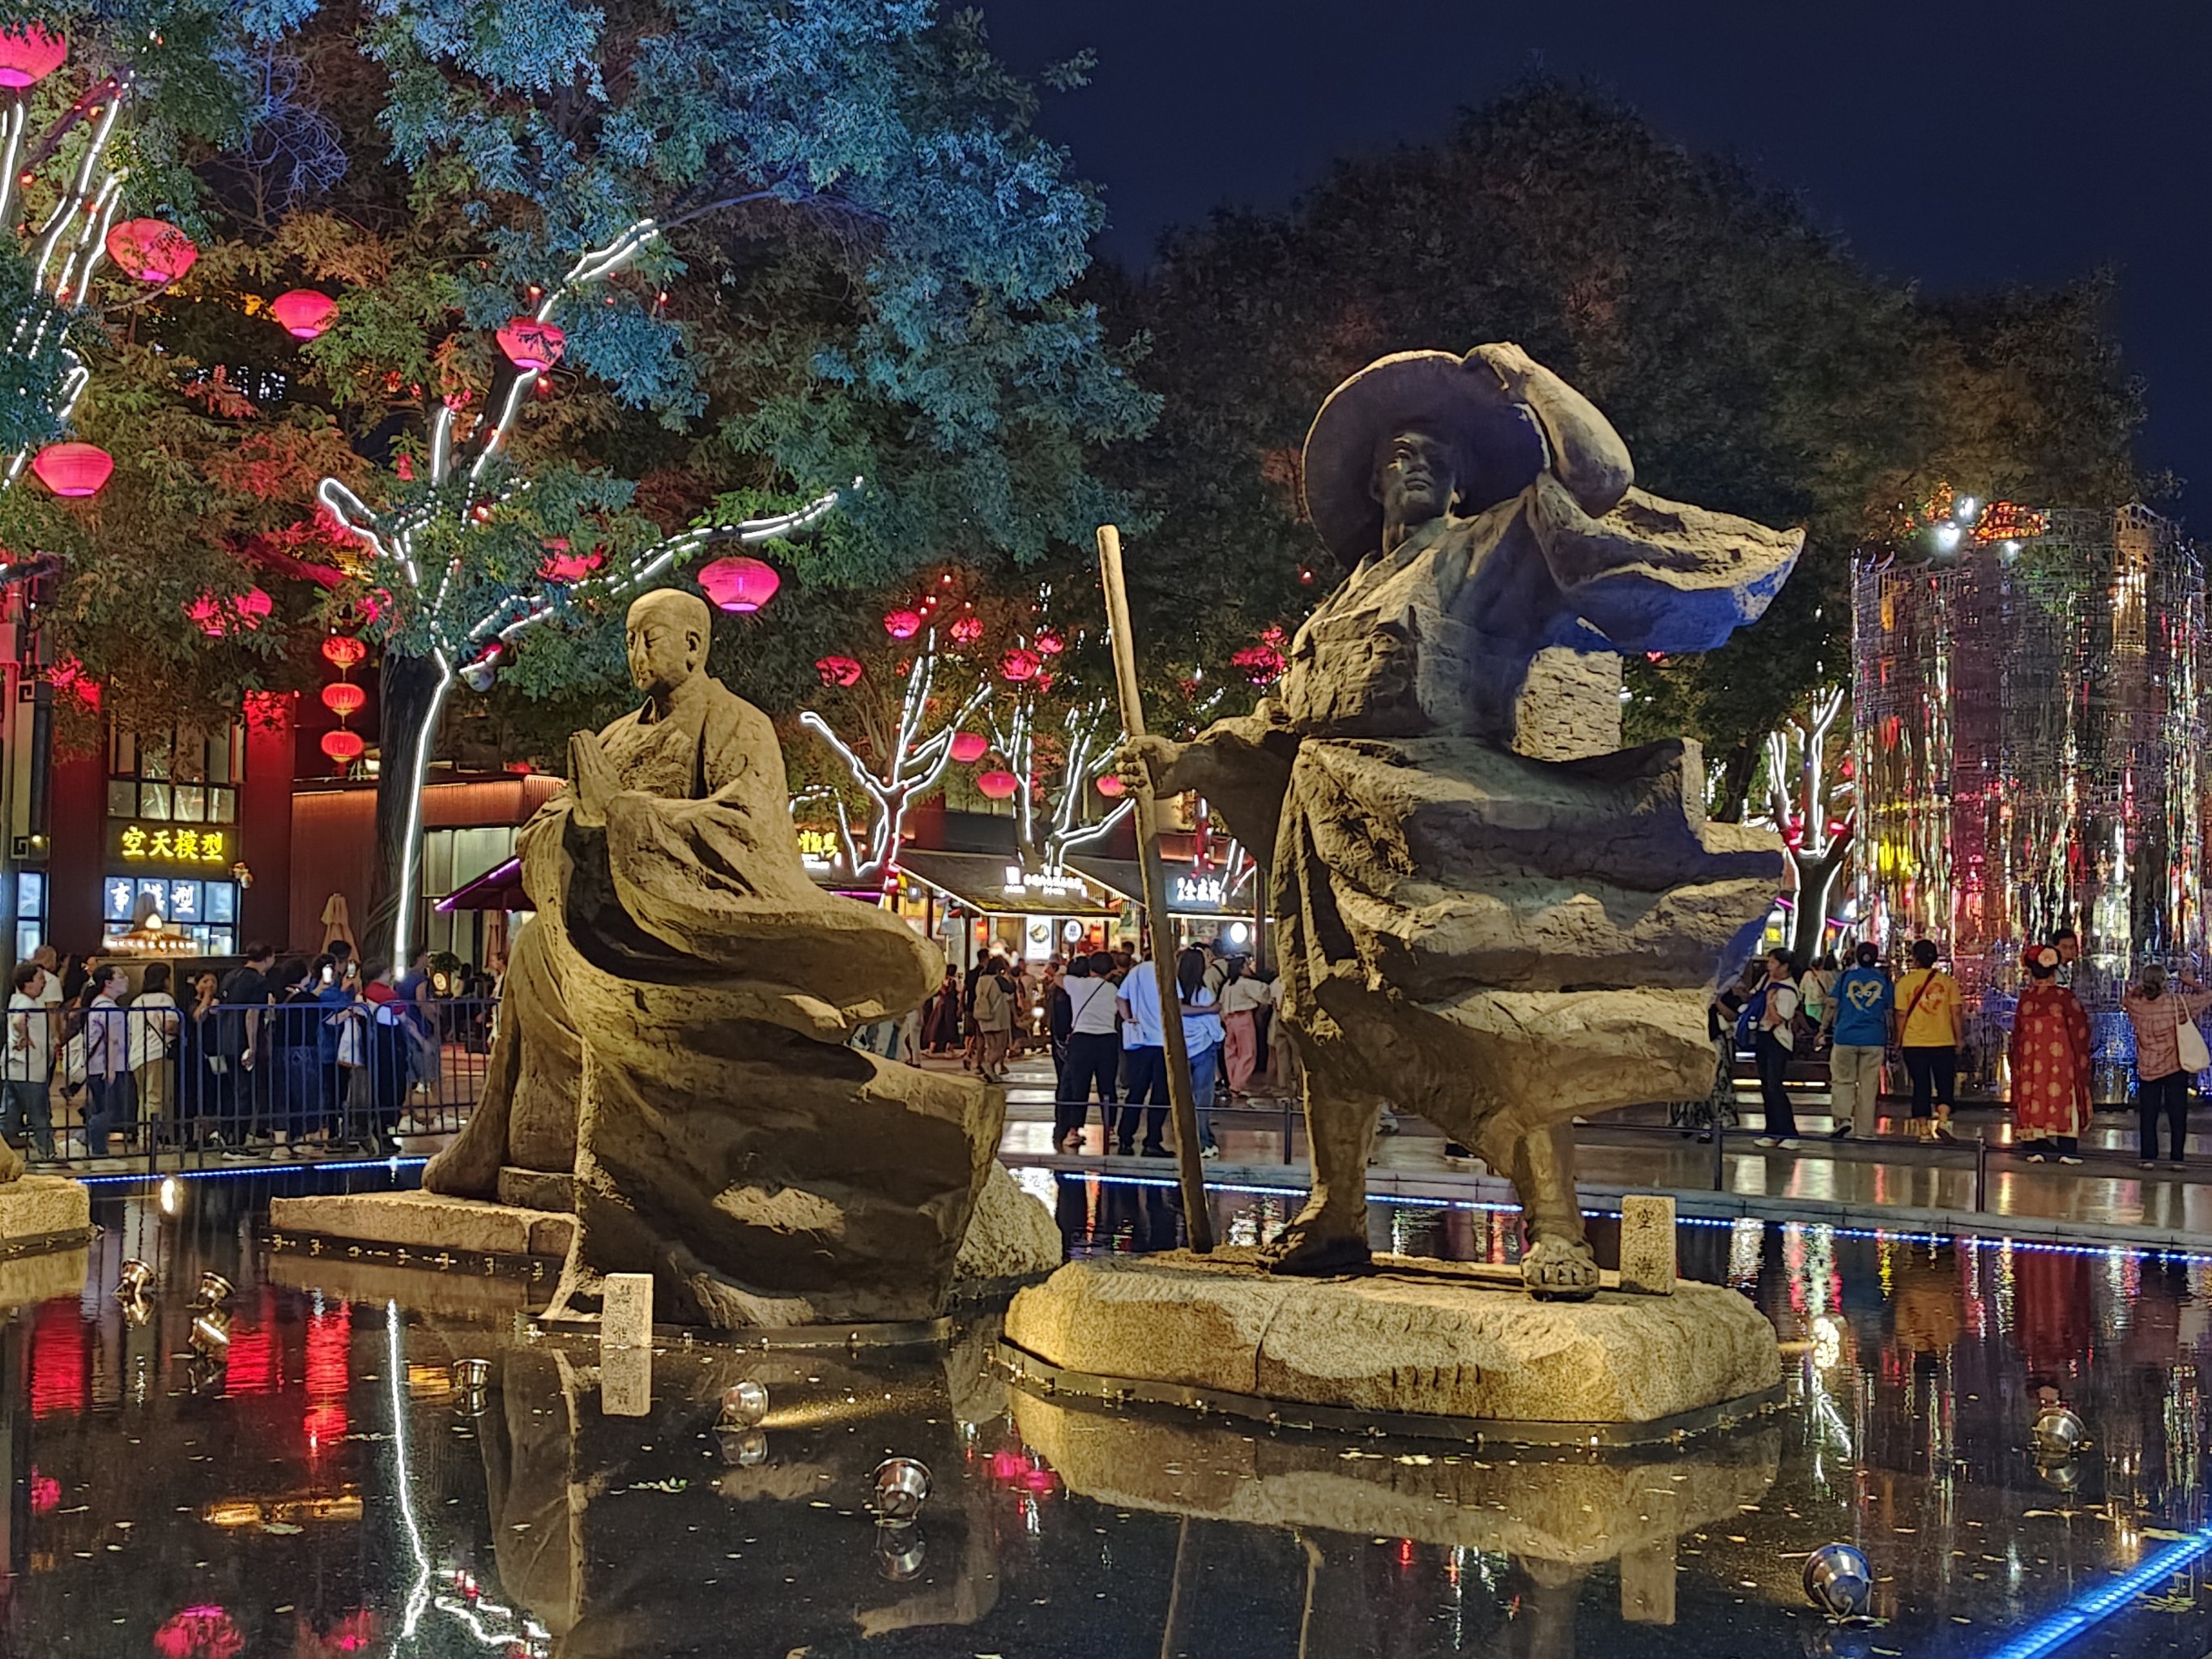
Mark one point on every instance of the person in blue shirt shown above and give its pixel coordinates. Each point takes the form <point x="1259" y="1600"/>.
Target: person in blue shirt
<point x="1858" y="1029"/>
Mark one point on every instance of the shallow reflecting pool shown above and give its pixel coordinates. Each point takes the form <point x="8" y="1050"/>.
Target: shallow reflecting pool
<point x="334" y="1486"/>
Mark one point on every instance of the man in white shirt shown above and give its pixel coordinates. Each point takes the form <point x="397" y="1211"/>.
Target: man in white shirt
<point x="1144" y="1043"/>
<point x="1094" y="1050"/>
<point x="27" y="1062"/>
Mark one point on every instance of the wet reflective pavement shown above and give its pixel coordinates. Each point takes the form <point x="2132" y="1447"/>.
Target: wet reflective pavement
<point x="333" y="1486"/>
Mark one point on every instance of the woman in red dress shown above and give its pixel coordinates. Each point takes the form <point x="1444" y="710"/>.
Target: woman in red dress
<point x="2049" y="1064"/>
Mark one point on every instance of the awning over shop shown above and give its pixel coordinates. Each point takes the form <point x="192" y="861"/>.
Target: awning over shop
<point x="1190" y="892"/>
<point x="997" y="886"/>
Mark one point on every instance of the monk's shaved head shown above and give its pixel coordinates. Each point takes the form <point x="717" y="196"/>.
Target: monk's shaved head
<point x="675" y="605"/>
<point x="666" y="638"/>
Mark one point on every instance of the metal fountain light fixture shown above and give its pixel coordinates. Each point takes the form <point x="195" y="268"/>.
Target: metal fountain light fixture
<point x="744" y="1404"/>
<point x="2058" y="1434"/>
<point x="1839" y="1582"/>
<point x="902" y="1488"/>
<point x="134" y="1280"/>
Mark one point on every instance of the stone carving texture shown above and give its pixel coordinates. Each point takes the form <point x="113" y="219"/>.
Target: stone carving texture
<point x="1486" y="912"/>
<point x="674" y="1034"/>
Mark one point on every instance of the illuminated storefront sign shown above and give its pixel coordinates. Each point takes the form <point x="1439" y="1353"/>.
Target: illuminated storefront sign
<point x="1019" y="880"/>
<point x="163" y="844"/>
<point x="1208" y="890"/>
<point x="818" y="848"/>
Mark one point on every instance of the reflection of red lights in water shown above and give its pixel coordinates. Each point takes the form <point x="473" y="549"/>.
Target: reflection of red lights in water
<point x="354" y="1633"/>
<point x="1023" y="1474"/>
<point x="254" y="1368"/>
<point x="330" y="1341"/>
<point x="45" y="1493"/>
<point x="58" y="1361"/>
<point x="198" y="1633"/>
<point x="1405" y="1552"/>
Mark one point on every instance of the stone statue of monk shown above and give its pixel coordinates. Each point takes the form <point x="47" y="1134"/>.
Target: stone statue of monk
<point x="673" y="1034"/>
<point x="1483" y="913"/>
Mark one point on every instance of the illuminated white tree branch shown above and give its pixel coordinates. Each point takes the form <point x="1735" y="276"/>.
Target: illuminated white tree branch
<point x="1804" y="800"/>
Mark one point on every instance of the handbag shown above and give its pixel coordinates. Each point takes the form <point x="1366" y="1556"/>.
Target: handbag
<point x="2188" y="1040"/>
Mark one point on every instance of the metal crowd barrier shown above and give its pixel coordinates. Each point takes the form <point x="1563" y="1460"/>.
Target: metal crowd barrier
<point x="240" y="1084"/>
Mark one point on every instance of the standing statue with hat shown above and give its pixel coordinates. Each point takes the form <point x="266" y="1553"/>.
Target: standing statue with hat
<point x="1488" y="913"/>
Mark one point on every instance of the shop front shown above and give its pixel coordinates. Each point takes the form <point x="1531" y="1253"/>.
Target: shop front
<point x="974" y="904"/>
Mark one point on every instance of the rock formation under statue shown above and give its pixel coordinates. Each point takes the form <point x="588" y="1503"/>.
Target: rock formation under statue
<point x="1486" y="911"/>
<point x="671" y="1057"/>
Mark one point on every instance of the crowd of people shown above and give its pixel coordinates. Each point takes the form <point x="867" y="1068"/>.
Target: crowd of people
<point x="1859" y="1014"/>
<point x="1101" y="1018"/>
<point x="310" y="1056"/>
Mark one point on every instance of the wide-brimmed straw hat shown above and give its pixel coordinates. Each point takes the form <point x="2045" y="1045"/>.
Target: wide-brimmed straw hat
<point x="1457" y="399"/>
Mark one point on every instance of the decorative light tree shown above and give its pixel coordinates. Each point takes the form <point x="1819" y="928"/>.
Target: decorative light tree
<point x="1057" y="748"/>
<point x="1812" y="798"/>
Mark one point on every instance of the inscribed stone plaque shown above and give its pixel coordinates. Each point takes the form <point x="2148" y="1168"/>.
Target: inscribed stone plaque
<point x="1647" y="1244"/>
<point x="626" y="1313"/>
<point x="626" y="1382"/>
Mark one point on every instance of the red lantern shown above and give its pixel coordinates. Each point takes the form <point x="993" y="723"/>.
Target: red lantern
<point x="342" y="745"/>
<point x="739" y="585"/>
<point x="202" y="1632"/>
<point x="73" y="471"/>
<point x="151" y="250"/>
<point x="531" y="345"/>
<point x="838" y="671"/>
<point x="304" y="313"/>
<point x="966" y="631"/>
<point x="344" y="699"/>
<point x="999" y="786"/>
<point x="903" y="624"/>
<point x="560" y="565"/>
<point x="342" y="653"/>
<point x="968" y="747"/>
<point x="29" y="54"/>
<point x="1263" y="665"/>
<point x="1048" y="644"/>
<point x="1020" y="664"/>
<point x="1110" y="785"/>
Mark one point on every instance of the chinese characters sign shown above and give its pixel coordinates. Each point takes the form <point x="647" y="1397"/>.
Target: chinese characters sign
<point x="165" y="844"/>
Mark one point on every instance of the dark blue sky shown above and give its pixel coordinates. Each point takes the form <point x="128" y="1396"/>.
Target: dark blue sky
<point x="1956" y="145"/>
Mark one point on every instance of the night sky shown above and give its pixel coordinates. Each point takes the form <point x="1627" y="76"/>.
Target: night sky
<point x="1956" y="145"/>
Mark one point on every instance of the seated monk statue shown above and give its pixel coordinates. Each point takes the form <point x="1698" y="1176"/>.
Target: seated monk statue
<point x="1486" y="911"/>
<point x="673" y="1034"/>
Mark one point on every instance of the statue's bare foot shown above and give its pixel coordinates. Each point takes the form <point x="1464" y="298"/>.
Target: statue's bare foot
<point x="1309" y="1251"/>
<point x="1556" y="1270"/>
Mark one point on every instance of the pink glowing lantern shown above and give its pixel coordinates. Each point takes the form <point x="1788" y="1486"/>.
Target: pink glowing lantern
<point x="966" y="631"/>
<point x="303" y="313"/>
<point x="202" y="1632"/>
<point x="903" y="624"/>
<point x="151" y="250"/>
<point x="838" y="671"/>
<point x="998" y="786"/>
<point x="1020" y="664"/>
<point x="561" y="565"/>
<point x="1262" y="665"/>
<point x="342" y="653"/>
<point x="344" y="699"/>
<point x="342" y="746"/>
<point x="1047" y="643"/>
<point x="1110" y="785"/>
<point x="73" y="471"/>
<point x="531" y="345"/>
<point x="968" y="747"/>
<point x="29" y="55"/>
<point x="739" y="585"/>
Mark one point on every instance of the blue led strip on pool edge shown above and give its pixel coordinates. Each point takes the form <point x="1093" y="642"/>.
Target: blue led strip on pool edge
<point x="2094" y="1608"/>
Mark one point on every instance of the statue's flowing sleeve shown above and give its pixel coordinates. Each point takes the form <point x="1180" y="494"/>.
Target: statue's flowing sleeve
<point x="712" y="891"/>
<point x="1653" y="574"/>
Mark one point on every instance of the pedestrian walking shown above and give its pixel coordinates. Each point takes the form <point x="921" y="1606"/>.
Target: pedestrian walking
<point x="155" y="1021"/>
<point x="25" y="1107"/>
<point x="1859" y="1009"/>
<point x="2169" y="1052"/>
<point x="1202" y="1040"/>
<point x="1145" y="1061"/>
<point x="112" y="1108"/>
<point x="1817" y="987"/>
<point x="994" y="1020"/>
<point x="1242" y="1000"/>
<point x="940" y="1020"/>
<point x="1930" y="1030"/>
<point x="1777" y="1004"/>
<point x="2049" y="1063"/>
<point x="1094" y="1049"/>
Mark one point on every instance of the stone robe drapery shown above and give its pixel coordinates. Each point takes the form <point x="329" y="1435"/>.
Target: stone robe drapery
<point x="2050" y="1062"/>
<point x="679" y="1009"/>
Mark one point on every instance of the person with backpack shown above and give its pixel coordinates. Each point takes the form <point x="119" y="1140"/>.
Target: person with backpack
<point x="1858" y="1012"/>
<point x="1775" y="1011"/>
<point x="2169" y="1051"/>
<point x="1930" y="1030"/>
<point x="2051" y="1098"/>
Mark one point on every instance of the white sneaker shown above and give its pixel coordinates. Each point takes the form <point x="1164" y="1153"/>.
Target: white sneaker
<point x="1766" y="1140"/>
<point x="1787" y="1143"/>
<point x="2067" y="1157"/>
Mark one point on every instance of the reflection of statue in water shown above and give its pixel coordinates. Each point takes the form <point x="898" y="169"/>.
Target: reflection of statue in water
<point x="674" y="1033"/>
<point x="1486" y="914"/>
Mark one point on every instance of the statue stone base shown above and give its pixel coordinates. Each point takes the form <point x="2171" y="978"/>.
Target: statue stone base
<point x="44" y="1213"/>
<point x="1432" y="1347"/>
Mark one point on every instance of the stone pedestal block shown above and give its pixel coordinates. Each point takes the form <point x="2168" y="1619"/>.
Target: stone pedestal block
<point x="1647" y="1244"/>
<point x="1415" y="1339"/>
<point x="424" y="1223"/>
<point x="52" y="1208"/>
<point x="626" y="1315"/>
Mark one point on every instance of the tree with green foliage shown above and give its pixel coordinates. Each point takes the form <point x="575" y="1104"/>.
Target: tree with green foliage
<point x="1751" y="363"/>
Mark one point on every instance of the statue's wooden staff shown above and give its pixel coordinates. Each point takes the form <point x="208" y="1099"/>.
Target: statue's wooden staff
<point x="1198" y="1220"/>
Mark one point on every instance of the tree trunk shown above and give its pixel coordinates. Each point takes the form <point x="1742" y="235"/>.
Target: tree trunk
<point x="411" y="692"/>
<point x="1736" y="774"/>
<point x="1816" y="879"/>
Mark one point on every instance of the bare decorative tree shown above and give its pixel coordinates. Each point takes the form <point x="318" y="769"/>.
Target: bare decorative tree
<point x="1811" y="799"/>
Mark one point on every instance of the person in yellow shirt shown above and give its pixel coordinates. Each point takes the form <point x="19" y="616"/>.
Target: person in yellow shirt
<point x="1931" y="1029"/>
